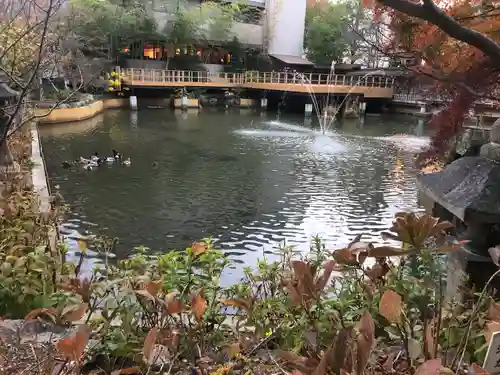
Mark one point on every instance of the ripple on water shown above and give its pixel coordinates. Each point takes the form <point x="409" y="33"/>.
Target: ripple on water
<point x="249" y="185"/>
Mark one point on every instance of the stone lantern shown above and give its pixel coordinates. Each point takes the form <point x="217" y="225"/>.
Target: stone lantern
<point x="467" y="192"/>
<point x="8" y="101"/>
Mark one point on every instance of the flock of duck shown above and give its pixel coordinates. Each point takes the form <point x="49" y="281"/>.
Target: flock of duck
<point x="95" y="161"/>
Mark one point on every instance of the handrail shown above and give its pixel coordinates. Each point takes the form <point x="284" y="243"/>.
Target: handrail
<point x="173" y="76"/>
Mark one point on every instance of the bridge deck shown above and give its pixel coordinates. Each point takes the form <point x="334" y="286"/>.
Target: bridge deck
<point x="370" y="86"/>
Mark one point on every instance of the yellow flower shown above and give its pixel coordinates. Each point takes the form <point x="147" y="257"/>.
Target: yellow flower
<point x="269" y="332"/>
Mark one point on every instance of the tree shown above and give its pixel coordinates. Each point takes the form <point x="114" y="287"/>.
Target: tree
<point x="102" y="27"/>
<point x="325" y="32"/>
<point x="29" y="37"/>
<point x="459" y="44"/>
<point x="207" y="22"/>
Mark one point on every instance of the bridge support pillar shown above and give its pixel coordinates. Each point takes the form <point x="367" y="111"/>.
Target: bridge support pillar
<point x="362" y="108"/>
<point x="263" y="103"/>
<point x="308" y="109"/>
<point x="423" y="108"/>
<point x="133" y="102"/>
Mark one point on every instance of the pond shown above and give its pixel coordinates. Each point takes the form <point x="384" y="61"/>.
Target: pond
<point x="245" y="179"/>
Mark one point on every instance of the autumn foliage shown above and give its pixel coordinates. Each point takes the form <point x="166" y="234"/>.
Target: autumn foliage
<point x="462" y="73"/>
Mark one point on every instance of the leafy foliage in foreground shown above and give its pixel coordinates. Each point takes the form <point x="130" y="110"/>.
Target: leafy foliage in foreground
<point x="324" y="312"/>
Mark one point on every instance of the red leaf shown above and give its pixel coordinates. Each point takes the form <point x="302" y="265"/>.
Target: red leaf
<point x="73" y="347"/>
<point x="478" y="370"/>
<point x="390" y="306"/>
<point x="149" y="342"/>
<point x="430" y="367"/>
<point x="198" y="248"/>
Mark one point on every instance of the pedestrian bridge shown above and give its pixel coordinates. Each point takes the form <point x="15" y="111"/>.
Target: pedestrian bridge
<point x="370" y="86"/>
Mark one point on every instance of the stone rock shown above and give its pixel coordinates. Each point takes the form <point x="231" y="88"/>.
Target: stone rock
<point x="19" y="331"/>
<point x="495" y="132"/>
<point x="468" y="187"/>
<point x="491" y="151"/>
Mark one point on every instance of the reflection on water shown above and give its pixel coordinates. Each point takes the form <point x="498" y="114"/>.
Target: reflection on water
<point x="247" y="181"/>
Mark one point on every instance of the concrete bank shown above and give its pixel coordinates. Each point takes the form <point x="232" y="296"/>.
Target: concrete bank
<point x="39" y="171"/>
<point x="59" y="115"/>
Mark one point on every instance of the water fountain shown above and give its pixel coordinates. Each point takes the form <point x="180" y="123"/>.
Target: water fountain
<point x="326" y="121"/>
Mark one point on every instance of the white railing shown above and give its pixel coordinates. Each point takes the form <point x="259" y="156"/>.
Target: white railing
<point x="173" y="76"/>
<point x="418" y="98"/>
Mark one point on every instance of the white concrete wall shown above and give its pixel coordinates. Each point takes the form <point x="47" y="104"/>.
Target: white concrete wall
<point x="285" y="26"/>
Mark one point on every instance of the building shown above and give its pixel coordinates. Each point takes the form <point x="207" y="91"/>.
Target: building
<point x="273" y="27"/>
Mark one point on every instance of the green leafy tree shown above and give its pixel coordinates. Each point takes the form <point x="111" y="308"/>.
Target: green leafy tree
<point x="102" y="26"/>
<point x="325" y="32"/>
<point x="209" y="21"/>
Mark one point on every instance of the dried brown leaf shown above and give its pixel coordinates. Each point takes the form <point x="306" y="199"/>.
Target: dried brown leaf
<point x="303" y="364"/>
<point x="304" y="274"/>
<point x="232" y="350"/>
<point x="154" y="287"/>
<point x="387" y="251"/>
<point x="391" y="306"/>
<point x="149" y="343"/>
<point x="451" y="248"/>
<point x="144" y="293"/>
<point x="339" y="353"/>
<point x="430" y="367"/>
<point x="365" y="341"/>
<point x="295" y="296"/>
<point x="172" y="304"/>
<point x="238" y="303"/>
<point x="490" y="329"/>
<point x="494" y="311"/>
<point x="33" y="314"/>
<point x="127" y="371"/>
<point x="198" y="305"/>
<point x="327" y="272"/>
<point x="74" y="313"/>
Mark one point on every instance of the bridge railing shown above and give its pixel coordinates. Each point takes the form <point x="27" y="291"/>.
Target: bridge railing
<point x="172" y="76"/>
<point x="318" y="79"/>
<point x="418" y="98"/>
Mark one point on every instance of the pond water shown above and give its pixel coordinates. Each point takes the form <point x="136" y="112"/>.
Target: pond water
<point x="248" y="181"/>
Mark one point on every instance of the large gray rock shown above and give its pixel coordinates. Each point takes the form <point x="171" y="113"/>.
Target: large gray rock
<point x="14" y="332"/>
<point x="469" y="188"/>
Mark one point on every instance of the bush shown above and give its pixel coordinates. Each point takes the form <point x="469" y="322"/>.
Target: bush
<point x="321" y="312"/>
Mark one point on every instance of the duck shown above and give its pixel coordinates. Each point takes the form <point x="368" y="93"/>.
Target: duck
<point x="88" y="167"/>
<point x="116" y="154"/>
<point x="67" y="164"/>
<point x="95" y="157"/>
<point x="110" y="159"/>
<point x="127" y="162"/>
